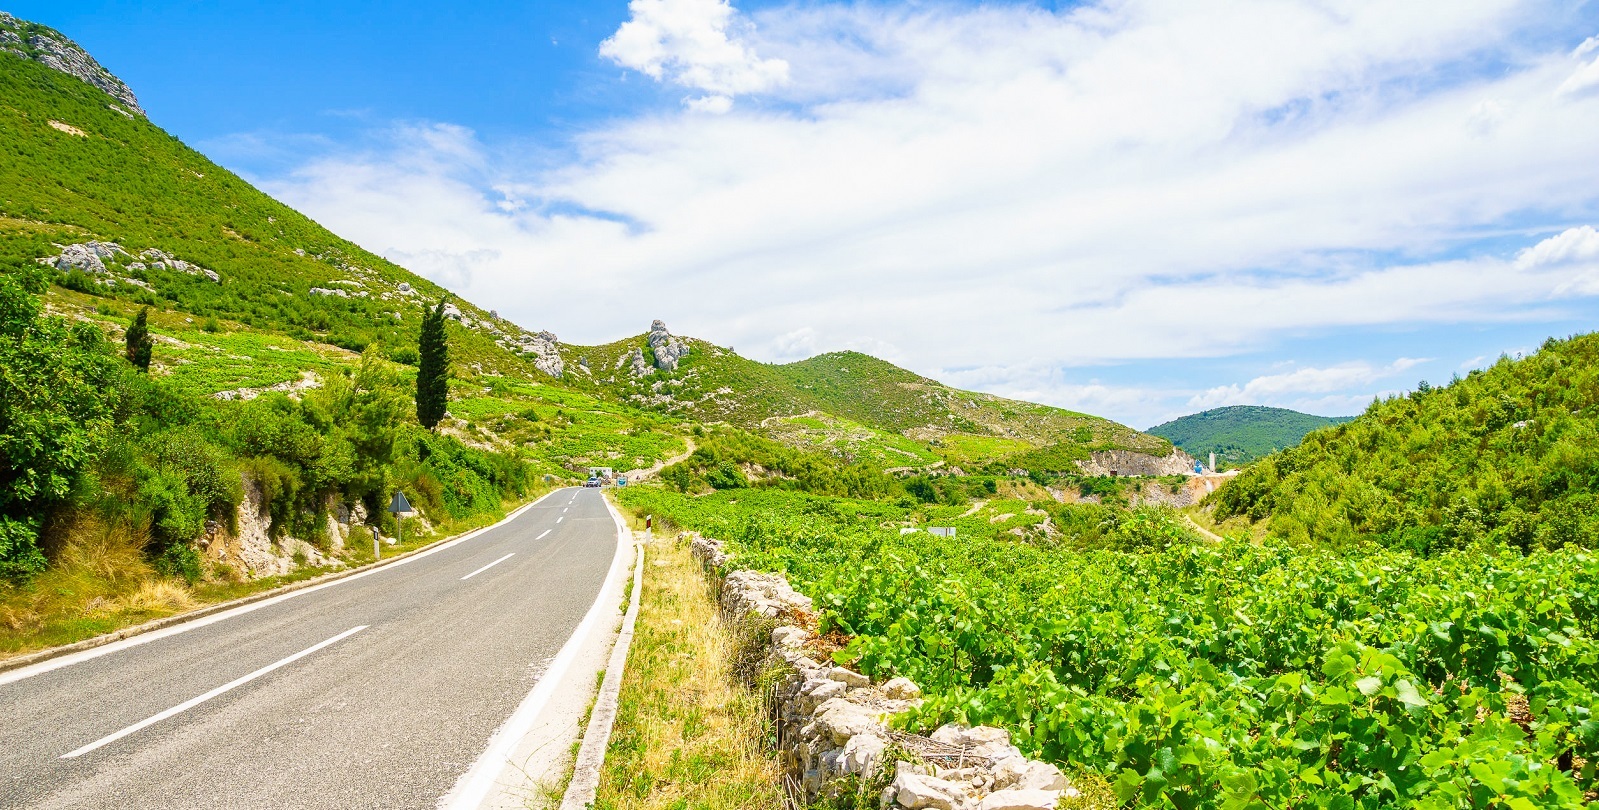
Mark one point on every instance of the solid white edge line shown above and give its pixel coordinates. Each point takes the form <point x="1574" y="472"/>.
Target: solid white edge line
<point x="542" y="536"/>
<point x="585" y="783"/>
<point x="193" y="702"/>
<point x="475" y="786"/>
<point x="145" y="638"/>
<point x="487" y="567"/>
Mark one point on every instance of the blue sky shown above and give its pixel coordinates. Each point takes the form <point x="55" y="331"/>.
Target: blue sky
<point x="1139" y="208"/>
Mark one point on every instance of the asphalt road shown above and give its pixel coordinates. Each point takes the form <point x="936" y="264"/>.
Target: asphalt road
<point x="385" y="716"/>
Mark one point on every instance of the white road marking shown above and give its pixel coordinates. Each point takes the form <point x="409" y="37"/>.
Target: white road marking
<point x="541" y="537"/>
<point x="561" y="518"/>
<point x="52" y="664"/>
<point x="487" y="567"/>
<point x="189" y="704"/>
<point x="472" y="789"/>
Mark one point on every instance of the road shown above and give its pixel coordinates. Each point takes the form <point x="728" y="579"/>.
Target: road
<point x="379" y="691"/>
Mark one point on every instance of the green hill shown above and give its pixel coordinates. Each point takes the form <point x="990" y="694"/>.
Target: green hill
<point x="283" y="372"/>
<point x="1506" y="455"/>
<point x="851" y="404"/>
<point x="1239" y="434"/>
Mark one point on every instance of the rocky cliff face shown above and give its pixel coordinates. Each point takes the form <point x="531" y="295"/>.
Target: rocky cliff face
<point x="1127" y="462"/>
<point x="49" y="48"/>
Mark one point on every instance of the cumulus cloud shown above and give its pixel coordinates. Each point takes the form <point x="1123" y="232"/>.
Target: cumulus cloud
<point x="1276" y="389"/>
<point x="1008" y="188"/>
<point x="697" y="44"/>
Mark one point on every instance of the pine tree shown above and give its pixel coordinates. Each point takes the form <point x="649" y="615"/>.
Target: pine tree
<point x="140" y="346"/>
<point x="433" y="372"/>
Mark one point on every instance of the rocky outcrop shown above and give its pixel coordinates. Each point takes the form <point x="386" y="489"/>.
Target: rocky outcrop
<point x="49" y="48"/>
<point x="833" y="726"/>
<point x="1128" y="462"/>
<point x="544" y="347"/>
<point x="90" y="257"/>
<point x="250" y="549"/>
<point x="634" y="360"/>
<point x="668" y="349"/>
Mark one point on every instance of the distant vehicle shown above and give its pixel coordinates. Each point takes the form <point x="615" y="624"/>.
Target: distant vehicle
<point x="592" y="482"/>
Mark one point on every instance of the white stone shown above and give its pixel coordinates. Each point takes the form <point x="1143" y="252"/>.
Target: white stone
<point x="1020" y="800"/>
<point x="1021" y="773"/>
<point x="915" y="792"/>
<point x="902" y="689"/>
<point x="848" y="677"/>
<point x="839" y="719"/>
<point x="861" y="753"/>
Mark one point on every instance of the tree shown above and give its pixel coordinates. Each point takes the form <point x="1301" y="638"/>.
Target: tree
<point x="138" y="341"/>
<point x="433" y="369"/>
<point x="57" y="397"/>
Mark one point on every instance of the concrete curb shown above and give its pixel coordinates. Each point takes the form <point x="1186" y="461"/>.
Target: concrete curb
<point x="580" y="792"/>
<point x="29" y="659"/>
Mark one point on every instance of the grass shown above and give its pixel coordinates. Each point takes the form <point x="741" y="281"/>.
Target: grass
<point x="687" y="734"/>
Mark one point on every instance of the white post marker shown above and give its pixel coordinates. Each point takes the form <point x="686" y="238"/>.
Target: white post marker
<point x="399" y="506"/>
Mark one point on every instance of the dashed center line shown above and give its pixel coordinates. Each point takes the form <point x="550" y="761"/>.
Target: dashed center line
<point x="561" y="518"/>
<point x="189" y="704"/>
<point x="487" y="567"/>
<point x="541" y="537"/>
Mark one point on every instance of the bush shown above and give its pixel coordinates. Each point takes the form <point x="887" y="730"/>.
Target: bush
<point x="20" y="557"/>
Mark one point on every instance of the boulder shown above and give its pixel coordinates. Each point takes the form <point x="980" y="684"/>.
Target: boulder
<point x="848" y="677"/>
<point x="902" y="689"/>
<point x="1020" y="800"/>
<point x="1020" y="773"/>
<point x="915" y="791"/>
<point x="840" y="720"/>
<point x="668" y="349"/>
<point x="861" y="753"/>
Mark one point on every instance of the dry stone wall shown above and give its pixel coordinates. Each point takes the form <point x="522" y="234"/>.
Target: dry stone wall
<point x="834" y="734"/>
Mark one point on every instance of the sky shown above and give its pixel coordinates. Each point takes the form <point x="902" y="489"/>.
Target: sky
<point x="1134" y="208"/>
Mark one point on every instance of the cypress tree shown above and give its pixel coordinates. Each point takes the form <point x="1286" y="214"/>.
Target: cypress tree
<point x="433" y="369"/>
<point x="139" y="343"/>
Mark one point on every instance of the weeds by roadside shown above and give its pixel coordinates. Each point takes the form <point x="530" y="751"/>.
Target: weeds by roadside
<point x="686" y="734"/>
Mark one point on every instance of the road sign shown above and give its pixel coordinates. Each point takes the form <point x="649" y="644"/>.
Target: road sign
<point x="621" y="482"/>
<point x="399" y="506"/>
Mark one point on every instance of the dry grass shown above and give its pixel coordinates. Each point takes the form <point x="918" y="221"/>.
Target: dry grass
<point x="99" y="581"/>
<point x="687" y="734"/>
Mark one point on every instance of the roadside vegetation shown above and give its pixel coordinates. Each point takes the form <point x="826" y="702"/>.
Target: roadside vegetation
<point x="688" y="733"/>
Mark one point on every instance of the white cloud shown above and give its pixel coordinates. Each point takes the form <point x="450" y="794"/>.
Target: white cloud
<point x="1007" y="188"/>
<point x="697" y="44"/>
<point x="1579" y="244"/>
<point x="1277" y="389"/>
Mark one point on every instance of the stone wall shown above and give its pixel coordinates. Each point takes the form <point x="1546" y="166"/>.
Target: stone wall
<point x="833" y="723"/>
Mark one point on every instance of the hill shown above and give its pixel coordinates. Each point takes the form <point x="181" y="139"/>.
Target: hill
<point x="849" y="404"/>
<point x="1506" y="455"/>
<point x="1239" y="434"/>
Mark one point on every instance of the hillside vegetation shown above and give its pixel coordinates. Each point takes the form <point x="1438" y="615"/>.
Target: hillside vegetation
<point x="1505" y="456"/>
<point x="1239" y="434"/>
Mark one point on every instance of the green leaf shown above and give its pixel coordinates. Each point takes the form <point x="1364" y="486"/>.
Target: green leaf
<point x="1408" y="695"/>
<point x="1369" y="685"/>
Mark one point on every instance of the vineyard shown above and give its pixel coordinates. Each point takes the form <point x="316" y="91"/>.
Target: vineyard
<point x="1194" y="675"/>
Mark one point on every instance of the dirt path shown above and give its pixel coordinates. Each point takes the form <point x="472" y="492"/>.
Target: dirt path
<point x="1207" y="533"/>
<point x="640" y="475"/>
<point x="976" y="506"/>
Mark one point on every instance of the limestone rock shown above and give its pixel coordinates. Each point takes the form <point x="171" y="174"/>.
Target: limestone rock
<point x="839" y="720"/>
<point x="983" y="741"/>
<point x="1127" y="462"/>
<point x="1020" y="773"/>
<point x="848" y="677"/>
<point x="1020" y="800"/>
<point x="902" y="689"/>
<point x="56" y="52"/>
<point x="635" y="362"/>
<point x="861" y="753"/>
<point x="914" y="791"/>
<point x="668" y="349"/>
